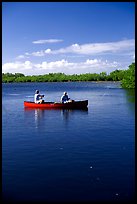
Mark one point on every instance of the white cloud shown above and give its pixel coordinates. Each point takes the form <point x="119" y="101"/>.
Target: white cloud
<point x="47" y="41"/>
<point x="98" y="48"/>
<point x="124" y="50"/>
<point x="20" y="57"/>
<point x="13" y="67"/>
<point x="48" y="51"/>
<point x="26" y="53"/>
<point x="91" y="62"/>
<point x="120" y="47"/>
<point x="38" y="53"/>
<point x="41" y="53"/>
<point x="88" y="66"/>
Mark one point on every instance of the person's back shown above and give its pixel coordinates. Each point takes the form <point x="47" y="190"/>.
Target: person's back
<point x="38" y="97"/>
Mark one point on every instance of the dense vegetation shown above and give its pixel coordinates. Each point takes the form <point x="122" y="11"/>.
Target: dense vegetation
<point x="127" y="77"/>
<point x="128" y="80"/>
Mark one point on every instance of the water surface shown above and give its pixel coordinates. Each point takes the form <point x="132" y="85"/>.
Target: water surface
<point x="68" y="155"/>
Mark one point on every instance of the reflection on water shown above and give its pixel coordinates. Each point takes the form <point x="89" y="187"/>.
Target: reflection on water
<point x="67" y="112"/>
<point x="130" y="93"/>
<point x="39" y="114"/>
<point x="130" y="96"/>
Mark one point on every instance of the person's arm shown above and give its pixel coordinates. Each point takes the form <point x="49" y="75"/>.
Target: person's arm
<point x="35" y="98"/>
<point x="41" y="96"/>
<point x="61" y="99"/>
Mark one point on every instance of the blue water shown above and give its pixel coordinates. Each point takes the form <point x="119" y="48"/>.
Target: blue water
<point x="68" y="155"/>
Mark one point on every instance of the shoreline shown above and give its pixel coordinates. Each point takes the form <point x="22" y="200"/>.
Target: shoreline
<point x="58" y="82"/>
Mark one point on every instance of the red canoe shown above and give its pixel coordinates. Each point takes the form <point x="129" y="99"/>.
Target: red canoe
<point x="57" y="105"/>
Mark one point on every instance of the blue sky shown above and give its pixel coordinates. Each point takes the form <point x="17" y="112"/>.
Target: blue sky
<point x="72" y="38"/>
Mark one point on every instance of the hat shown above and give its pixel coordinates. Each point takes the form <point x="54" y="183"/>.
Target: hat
<point x="37" y="91"/>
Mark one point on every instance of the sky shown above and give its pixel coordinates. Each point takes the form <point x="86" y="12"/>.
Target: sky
<point x="67" y="37"/>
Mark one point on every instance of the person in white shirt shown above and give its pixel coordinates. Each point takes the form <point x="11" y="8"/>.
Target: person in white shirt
<point x="38" y="97"/>
<point x="65" y="98"/>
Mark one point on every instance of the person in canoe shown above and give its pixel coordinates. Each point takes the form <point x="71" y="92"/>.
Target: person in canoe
<point x="65" y="98"/>
<point x="38" y="97"/>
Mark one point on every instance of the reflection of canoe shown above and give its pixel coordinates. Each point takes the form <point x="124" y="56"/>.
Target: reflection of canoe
<point x="50" y="105"/>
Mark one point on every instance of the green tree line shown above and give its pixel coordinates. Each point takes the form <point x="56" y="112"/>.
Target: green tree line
<point x="127" y="77"/>
<point x="128" y="80"/>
